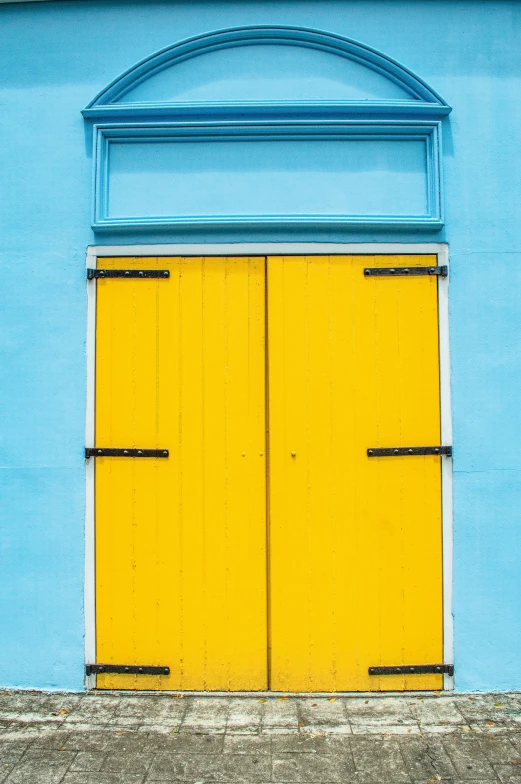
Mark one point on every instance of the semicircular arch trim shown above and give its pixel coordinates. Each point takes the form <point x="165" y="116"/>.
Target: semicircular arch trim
<point x="267" y="65"/>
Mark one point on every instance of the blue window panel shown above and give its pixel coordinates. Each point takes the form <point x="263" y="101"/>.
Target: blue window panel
<point x="362" y="177"/>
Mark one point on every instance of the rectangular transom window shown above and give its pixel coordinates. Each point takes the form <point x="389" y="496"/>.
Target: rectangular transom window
<point x="256" y="176"/>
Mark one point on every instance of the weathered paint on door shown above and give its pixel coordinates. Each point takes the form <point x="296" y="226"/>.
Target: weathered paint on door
<point x="181" y="542"/>
<point x="354" y="574"/>
<point x="356" y="543"/>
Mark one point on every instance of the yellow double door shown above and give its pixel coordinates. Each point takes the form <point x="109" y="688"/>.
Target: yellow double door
<point x="268" y="551"/>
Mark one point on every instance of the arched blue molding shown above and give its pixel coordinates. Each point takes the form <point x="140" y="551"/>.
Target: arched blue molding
<point x="423" y="101"/>
<point x="372" y="163"/>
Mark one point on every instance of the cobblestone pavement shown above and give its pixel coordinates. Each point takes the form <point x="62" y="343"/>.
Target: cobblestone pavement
<point x="113" y="738"/>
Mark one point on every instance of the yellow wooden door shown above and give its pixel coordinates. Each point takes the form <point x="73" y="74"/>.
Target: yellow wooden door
<point x="355" y="543"/>
<point x="181" y="542"/>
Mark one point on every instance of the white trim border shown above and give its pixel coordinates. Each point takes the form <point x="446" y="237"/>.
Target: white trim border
<point x="268" y="249"/>
<point x="95" y="252"/>
<point x="90" y="561"/>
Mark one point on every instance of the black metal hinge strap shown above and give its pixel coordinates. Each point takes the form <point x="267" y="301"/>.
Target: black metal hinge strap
<point x="101" y="452"/>
<point x="120" y="273"/>
<point x="394" y="271"/>
<point x="414" y="669"/>
<point x="404" y="451"/>
<point x="125" y="669"/>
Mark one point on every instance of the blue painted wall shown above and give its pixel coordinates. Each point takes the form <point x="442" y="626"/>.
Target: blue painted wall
<point x="54" y="57"/>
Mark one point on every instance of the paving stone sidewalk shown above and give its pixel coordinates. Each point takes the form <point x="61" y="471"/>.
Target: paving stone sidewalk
<point x="114" y="738"/>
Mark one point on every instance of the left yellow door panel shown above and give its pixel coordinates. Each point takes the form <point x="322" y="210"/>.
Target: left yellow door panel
<point x="181" y="542"/>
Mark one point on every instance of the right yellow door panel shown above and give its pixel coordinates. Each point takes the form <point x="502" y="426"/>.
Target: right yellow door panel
<point x="355" y="542"/>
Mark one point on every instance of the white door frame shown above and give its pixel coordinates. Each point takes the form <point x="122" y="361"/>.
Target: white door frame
<point x="96" y="252"/>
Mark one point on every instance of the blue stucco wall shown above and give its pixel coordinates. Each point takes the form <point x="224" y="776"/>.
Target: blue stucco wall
<point x="54" y="57"/>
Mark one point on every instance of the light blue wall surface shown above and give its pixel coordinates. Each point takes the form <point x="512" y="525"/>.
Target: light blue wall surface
<point x="54" y="57"/>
